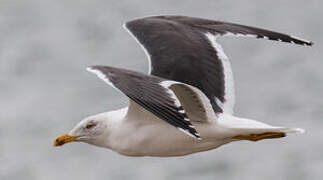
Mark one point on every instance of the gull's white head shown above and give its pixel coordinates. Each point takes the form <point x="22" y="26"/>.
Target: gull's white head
<point x="92" y="130"/>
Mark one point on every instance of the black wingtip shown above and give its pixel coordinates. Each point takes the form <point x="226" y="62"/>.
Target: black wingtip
<point x="311" y="43"/>
<point x="304" y="43"/>
<point x="300" y="41"/>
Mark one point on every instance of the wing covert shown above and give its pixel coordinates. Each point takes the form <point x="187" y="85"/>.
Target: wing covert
<point x="151" y="93"/>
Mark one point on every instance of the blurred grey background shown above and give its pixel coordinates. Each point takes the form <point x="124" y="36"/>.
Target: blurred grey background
<point x="45" y="90"/>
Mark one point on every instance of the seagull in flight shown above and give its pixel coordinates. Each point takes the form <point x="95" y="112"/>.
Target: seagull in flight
<point x="184" y="104"/>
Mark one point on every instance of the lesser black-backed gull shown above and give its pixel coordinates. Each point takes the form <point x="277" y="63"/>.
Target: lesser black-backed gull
<point x="189" y="87"/>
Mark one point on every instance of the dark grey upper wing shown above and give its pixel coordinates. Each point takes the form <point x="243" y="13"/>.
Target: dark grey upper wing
<point x="182" y="49"/>
<point x="150" y="92"/>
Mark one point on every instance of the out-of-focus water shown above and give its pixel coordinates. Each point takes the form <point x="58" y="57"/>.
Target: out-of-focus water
<point x="45" y="90"/>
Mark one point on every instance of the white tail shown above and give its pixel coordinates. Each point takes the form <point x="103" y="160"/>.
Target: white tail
<point x="240" y="126"/>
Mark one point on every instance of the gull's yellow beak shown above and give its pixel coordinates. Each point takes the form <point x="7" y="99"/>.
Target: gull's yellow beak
<point x="63" y="139"/>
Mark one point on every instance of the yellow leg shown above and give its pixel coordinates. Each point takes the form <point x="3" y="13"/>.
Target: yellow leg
<point x="257" y="137"/>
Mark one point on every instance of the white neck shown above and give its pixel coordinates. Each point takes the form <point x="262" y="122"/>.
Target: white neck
<point x="112" y="120"/>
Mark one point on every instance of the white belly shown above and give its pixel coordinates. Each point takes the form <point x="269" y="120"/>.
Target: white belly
<point x="163" y="140"/>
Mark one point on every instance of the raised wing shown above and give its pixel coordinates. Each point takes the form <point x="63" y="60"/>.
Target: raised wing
<point x="184" y="49"/>
<point x="151" y="93"/>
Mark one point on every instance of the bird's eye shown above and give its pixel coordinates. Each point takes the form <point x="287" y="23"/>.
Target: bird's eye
<point x="89" y="126"/>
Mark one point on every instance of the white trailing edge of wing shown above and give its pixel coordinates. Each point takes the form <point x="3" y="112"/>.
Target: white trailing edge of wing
<point x="228" y="76"/>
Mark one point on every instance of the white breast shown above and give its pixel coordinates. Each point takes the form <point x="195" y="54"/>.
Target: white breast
<point x="154" y="137"/>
